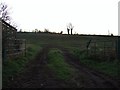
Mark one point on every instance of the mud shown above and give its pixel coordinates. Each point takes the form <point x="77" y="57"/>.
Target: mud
<point x="37" y="75"/>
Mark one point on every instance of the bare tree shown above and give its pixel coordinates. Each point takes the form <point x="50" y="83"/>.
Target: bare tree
<point x="4" y="12"/>
<point x="68" y="30"/>
<point x="70" y="27"/>
<point x="46" y="30"/>
<point x="20" y="30"/>
<point x="36" y="30"/>
<point x="13" y="24"/>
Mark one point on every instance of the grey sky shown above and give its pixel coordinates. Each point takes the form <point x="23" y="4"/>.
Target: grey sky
<point x="87" y="16"/>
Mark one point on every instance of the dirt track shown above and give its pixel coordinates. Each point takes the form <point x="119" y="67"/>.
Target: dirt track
<point x="38" y="75"/>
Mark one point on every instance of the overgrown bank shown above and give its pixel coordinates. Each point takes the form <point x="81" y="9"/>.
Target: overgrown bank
<point x="13" y="67"/>
<point x="110" y="68"/>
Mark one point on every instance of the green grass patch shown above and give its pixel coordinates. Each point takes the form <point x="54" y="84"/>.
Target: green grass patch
<point x="110" y="68"/>
<point x="58" y="65"/>
<point x="13" y="67"/>
<point x="107" y="67"/>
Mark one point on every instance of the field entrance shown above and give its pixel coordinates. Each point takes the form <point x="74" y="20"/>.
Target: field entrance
<point x="62" y="61"/>
<point x="55" y="66"/>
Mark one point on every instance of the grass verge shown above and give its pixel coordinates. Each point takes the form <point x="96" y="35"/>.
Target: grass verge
<point x="58" y="65"/>
<point x="13" y="67"/>
<point x="108" y="67"/>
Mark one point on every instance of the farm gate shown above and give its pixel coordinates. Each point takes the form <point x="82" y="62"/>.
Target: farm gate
<point x="103" y="50"/>
<point x="11" y="46"/>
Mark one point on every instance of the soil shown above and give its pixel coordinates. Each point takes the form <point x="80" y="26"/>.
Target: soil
<point x="37" y="75"/>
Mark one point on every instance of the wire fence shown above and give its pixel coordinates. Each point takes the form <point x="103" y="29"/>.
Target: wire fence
<point x="103" y="50"/>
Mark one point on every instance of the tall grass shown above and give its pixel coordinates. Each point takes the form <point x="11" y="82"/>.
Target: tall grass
<point x="108" y="67"/>
<point x="14" y="66"/>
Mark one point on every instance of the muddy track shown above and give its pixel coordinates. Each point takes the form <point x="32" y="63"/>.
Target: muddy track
<point x="38" y="75"/>
<point x="92" y="78"/>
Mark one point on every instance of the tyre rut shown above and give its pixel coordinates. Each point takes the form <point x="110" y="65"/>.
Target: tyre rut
<point x="97" y="79"/>
<point x="37" y="74"/>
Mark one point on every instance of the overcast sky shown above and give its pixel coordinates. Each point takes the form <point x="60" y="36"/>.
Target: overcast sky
<point x="87" y="16"/>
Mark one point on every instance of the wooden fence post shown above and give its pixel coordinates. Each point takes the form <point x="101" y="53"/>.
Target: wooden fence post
<point x="95" y="50"/>
<point x="88" y="46"/>
<point x="104" y="48"/>
<point x="118" y="48"/>
<point x="118" y="55"/>
<point x="118" y="44"/>
<point x="25" y="47"/>
<point x="0" y="41"/>
<point x="0" y="54"/>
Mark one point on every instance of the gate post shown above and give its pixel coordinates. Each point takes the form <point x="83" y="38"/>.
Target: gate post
<point x="118" y="41"/>
<point x="118" y="44"/>
<point x="0" y="53"/>
<point x="118" y="56"/>
<point x="118" y="48"/>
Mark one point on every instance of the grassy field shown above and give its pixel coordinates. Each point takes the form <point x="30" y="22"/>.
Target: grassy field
<point x="59" y="39"/>
<point x="76" y="44"/>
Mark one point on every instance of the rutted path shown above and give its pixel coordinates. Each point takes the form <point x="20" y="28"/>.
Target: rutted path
<point x="92" y="78"/>
<point x="37" y="74"/>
